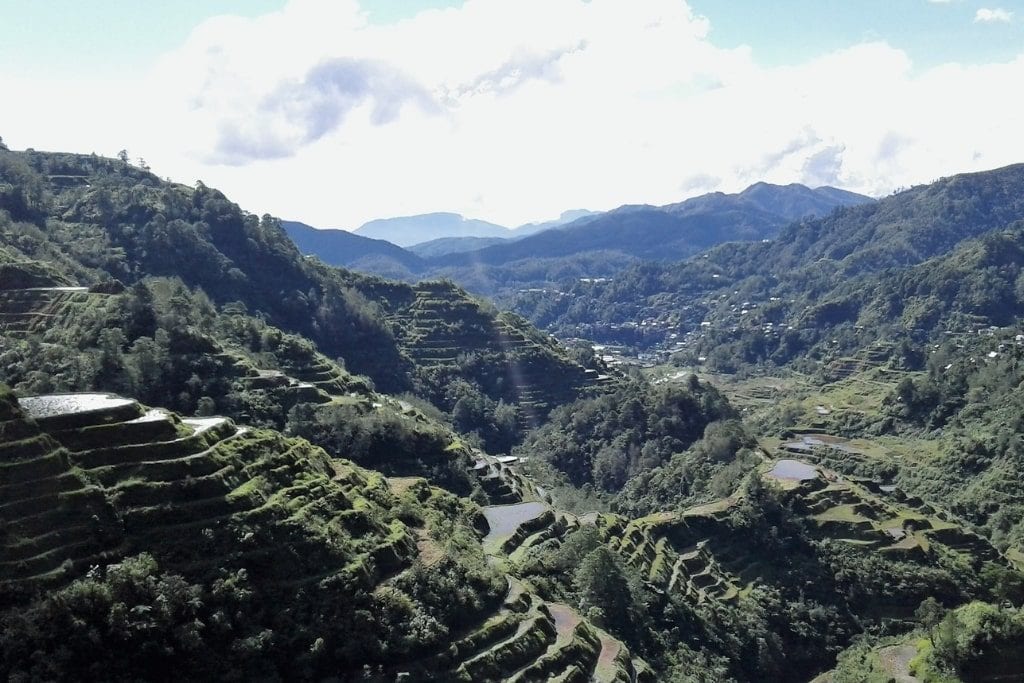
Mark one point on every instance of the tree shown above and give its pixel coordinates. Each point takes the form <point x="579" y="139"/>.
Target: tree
<point x="1005" y="584"/>
<point x="139" y="319"/>
<point x="930" y="613"/>
<point x="123" y="156"/>
<point x="111" y="371"/>
<point x="602" y="584"/>
<point x="206" y="406"/>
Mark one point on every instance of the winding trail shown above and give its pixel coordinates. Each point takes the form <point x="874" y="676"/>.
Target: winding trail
<point x="896" y="662"/>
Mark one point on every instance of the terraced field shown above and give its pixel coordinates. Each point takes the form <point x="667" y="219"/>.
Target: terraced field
<point x="697" y="555"/>
<point x="882" y="518"/>
<point x="874" y="356"/>
<point x="855" y="391"/>
<point x="54" y="520"/>
<point x="676" y="552"/>
<point x="116" y="478"/>
<point x="527" y="638"/>
<point x="301" y="376"/>
<point x="32" y="310"/>
<point x="443" y="328"/>
<point x="502" y="481"/>
<point x="121" y="478"/>
<point x="530" y="639"/>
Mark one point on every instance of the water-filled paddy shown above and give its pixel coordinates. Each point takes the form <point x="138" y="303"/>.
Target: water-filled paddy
<point x="793" y="469"/>
<point x="38" y="407"/>
<point x="504" y="519"/>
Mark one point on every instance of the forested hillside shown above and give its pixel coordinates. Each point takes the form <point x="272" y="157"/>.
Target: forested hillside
<point x="199" y="528"/>
<point x="223" y="460"/>
<point x="806" y="275"/>
<point x="99" y="220"/>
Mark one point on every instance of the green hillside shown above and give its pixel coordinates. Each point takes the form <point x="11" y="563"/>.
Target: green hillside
<point x="805" y="277"/>
<point x="222" y="460"/>
<point x="772" y="580"/>
<point x="93" y="222"/>
<point x="197" y="525"/>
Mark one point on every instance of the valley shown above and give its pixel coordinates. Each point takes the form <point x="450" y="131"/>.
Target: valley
<point x="486" y="341"/>
<point x="229" y="460"/>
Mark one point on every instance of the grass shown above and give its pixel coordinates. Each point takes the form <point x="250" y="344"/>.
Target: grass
<point x="710" y="509"/>
<point x="841" y="513"/>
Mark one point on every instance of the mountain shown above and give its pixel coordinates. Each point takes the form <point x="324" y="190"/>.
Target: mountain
<point x="452" y="245"/>
<point x="409" y="230"/>
<point x="347" y="249"/>
<point x="582" y="243"/>
<point x="456" y="245"/>
<point x="130" y="226"/>
<point x="792" y="202"/>
<point x="669" y="232"/>
<point x="565" y="218"/>
<point x="804" y="276"/>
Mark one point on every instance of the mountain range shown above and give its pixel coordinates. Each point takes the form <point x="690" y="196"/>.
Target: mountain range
<point x="619" y="236"/>
<point x="409" y="231"/>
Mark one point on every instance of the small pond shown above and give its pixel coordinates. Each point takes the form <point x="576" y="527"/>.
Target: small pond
<point x="793" y="469"/>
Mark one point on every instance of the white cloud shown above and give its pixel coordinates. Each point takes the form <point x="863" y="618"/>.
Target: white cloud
<point x="991" y="16"/>
<point x="514" y="110"/>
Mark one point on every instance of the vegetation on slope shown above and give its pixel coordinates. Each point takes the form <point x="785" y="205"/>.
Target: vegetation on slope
<point x="606" y="440"/>
<point x="138" y="543"/>
<point x="97" y="219"/>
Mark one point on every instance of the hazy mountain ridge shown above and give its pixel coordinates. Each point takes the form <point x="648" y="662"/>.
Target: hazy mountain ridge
<point x="619" y="236"/>
<point x="346" y="249"/>
<point x="670" y="232"/>
<point x="566" y="217"/>
<point x="337" y="247"/>
<point x="452" y="245"/>
<point x="406" y="231"/>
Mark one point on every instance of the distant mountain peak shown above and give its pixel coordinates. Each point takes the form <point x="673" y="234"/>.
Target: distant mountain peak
<point x="405" y="231"/>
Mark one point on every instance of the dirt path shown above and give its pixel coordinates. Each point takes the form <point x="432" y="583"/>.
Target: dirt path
<point x="896" y="662"/>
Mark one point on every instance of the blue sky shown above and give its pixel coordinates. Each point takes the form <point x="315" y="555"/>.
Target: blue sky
<point x="77" y="37"/>
<point x="335" y="112"/>
<point x="790" y="31"/>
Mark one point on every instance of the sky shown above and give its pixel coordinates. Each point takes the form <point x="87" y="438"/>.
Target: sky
<point x="336" y="112"/>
